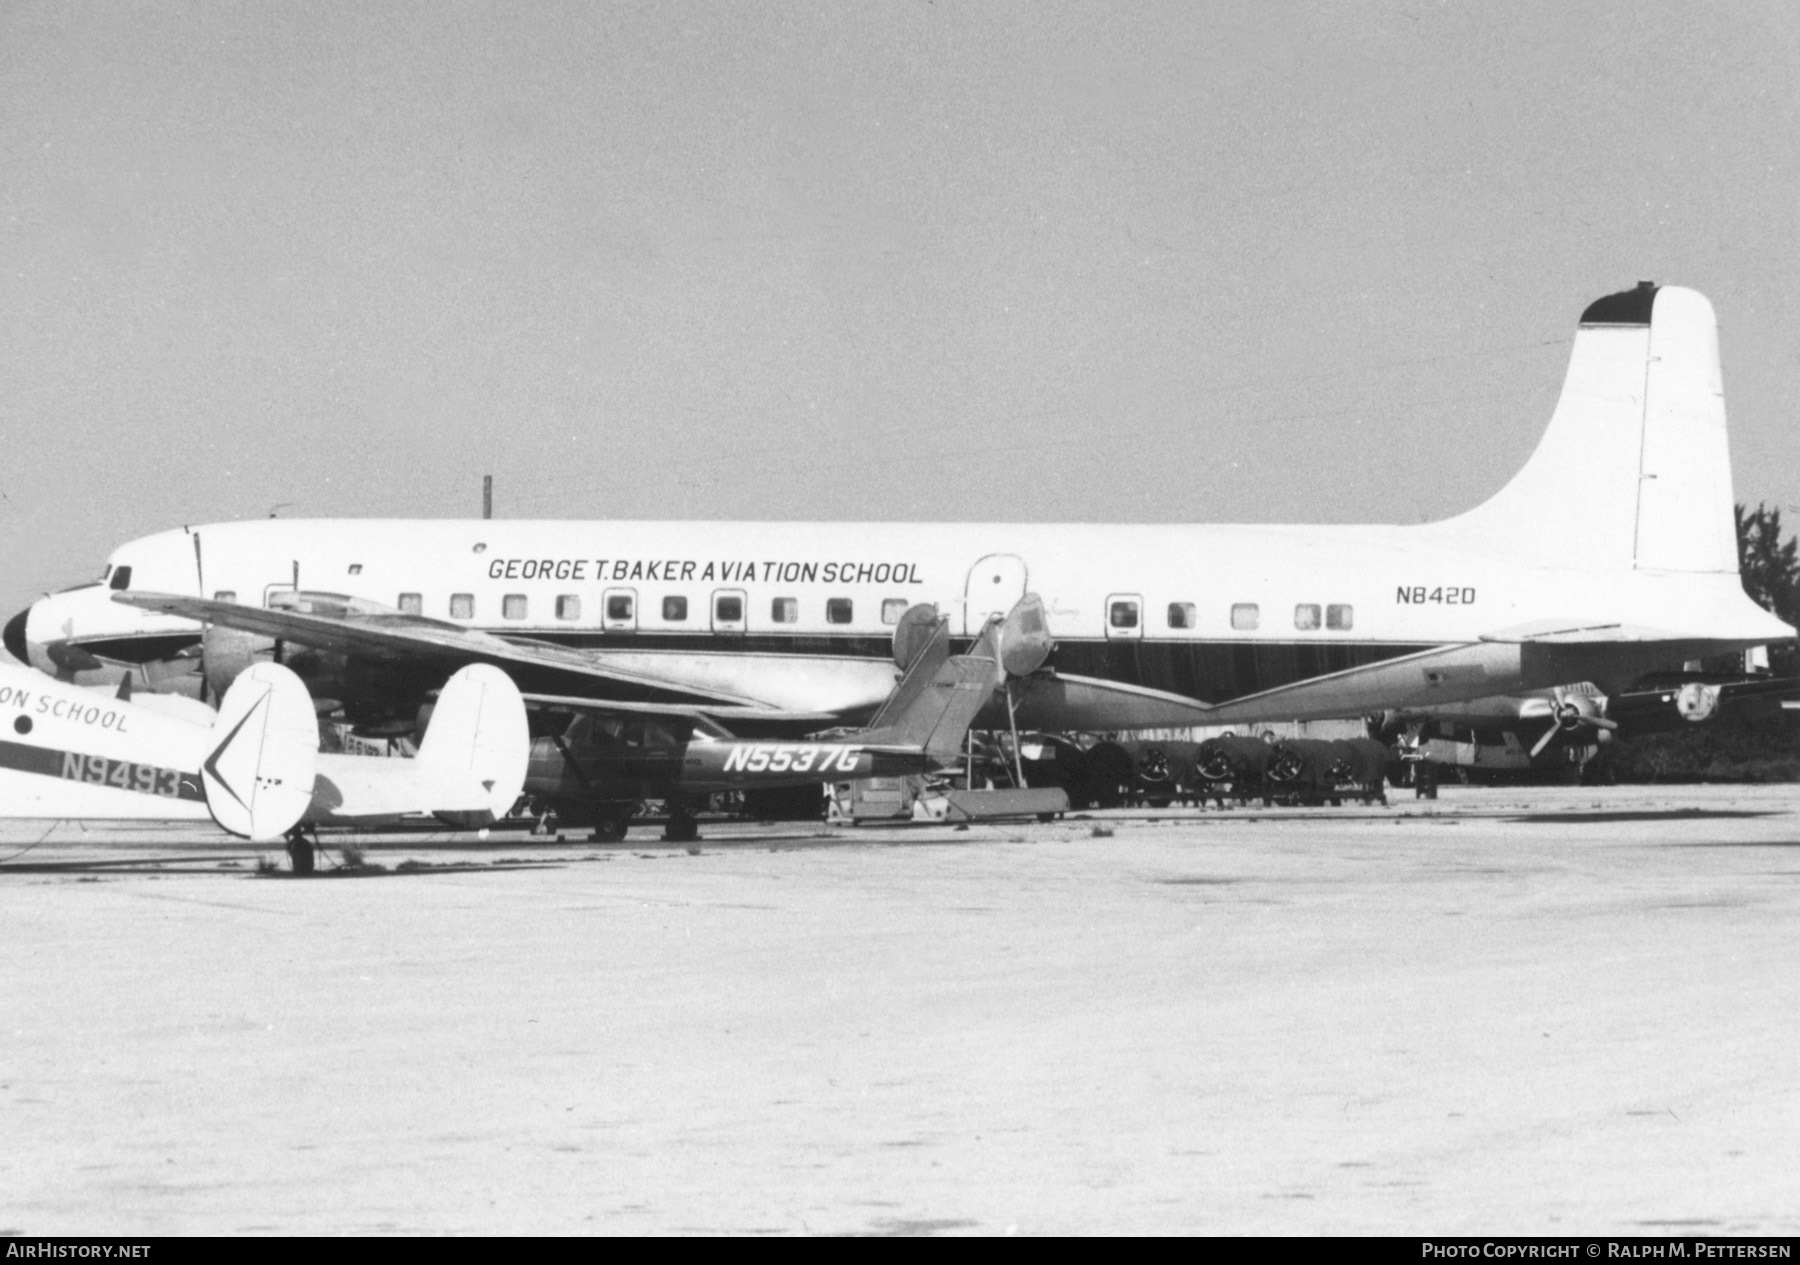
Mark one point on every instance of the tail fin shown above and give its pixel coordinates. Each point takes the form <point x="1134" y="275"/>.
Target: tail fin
<point x="940" y="695"/>
<point x="930" y="651"/>
<point x="259" y="775"/>
<point x="478" y="729"/>
<point x="1634" y="472"/>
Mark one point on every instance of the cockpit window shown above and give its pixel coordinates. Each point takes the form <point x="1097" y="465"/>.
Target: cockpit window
<point x="121" y="578"/>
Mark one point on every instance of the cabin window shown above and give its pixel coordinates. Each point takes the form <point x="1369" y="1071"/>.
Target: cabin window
<point x="513" y="606"/>
<point x="618" y="606"/>
<point x="728" y="608"/>
<point x="892" y="609"/>
<point x="674" y="609"/>
<point x="785" y="610"/>
<point x="568" y="606"/>
<point x="1245" y="616"/>
<point x="356" y="568"/>
<point x="1306" y="617"/>
<point x="838" y="610"/>
<point x="412" y="604"/>
<point x="1182" y="615"/>
<point x="1122" y="615"/>
<point x="225" y="595"/>
<point x="462" y="606"/>
<point x="1342" y="618"/>
<point x="122" y="578"/>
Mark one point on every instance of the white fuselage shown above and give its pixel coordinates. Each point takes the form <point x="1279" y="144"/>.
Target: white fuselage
<point x="798" y="615"/>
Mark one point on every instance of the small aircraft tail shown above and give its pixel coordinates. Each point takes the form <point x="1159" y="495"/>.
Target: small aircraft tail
<point x="921" y="646"/>
<point x="258" y="775"/>
<point x="940" y="695"/>
<point x="1634" y="472"/>
<point x="478" y="729"/>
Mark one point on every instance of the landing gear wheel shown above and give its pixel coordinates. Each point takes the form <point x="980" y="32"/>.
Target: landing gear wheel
<point x="682" y="828"/>
<point x="610" y="829"/>
<point x="300" y="853"/>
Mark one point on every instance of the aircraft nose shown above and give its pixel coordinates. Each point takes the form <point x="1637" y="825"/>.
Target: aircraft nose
<point x="15" y="636"/>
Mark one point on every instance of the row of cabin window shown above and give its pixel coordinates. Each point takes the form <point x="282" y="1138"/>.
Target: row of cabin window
<point x="1245" y="616"/>
<point x="728" y="608"/>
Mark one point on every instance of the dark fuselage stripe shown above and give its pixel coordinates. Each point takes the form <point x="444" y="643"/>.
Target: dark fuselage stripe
<point x="1209" y="671"/>
<point x="94" y="770"/>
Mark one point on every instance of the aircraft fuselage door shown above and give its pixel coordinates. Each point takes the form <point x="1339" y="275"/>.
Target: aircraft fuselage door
<point x="996" y="584"/>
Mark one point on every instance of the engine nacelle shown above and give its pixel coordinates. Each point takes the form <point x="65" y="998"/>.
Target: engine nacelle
<point x="226" y="654"/>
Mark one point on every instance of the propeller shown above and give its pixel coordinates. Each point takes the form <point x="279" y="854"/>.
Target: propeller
<point x="1569" y="712"/>
<point x="71" y="658"/>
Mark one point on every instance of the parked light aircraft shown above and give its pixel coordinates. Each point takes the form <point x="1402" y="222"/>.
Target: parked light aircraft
<point x="254" y="767"/>
<point x="604" y="761"/>
<point x="1611" y="554"/>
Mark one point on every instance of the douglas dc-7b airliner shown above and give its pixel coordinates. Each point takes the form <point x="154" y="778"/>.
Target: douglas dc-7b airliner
<point x="1612" y="553"/>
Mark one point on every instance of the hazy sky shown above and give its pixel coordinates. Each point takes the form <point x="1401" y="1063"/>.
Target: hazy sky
<point x="902" y="260"/>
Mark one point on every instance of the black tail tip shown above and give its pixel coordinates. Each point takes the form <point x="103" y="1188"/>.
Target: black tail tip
<point x="1627" y="307"/>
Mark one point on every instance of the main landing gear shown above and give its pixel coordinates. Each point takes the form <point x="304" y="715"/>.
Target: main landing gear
<point x="301" y="850"/>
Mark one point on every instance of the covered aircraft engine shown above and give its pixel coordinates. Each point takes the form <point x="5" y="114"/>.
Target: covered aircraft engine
<point x="1025" y="643"/>
<point x="1302" y="766"/>
<point x="1315" y="770"/>
<point x="1155" y="779"/>
<point x="1103" y="778"/>
<point x="1240" y="763"/>
<point x="1366" y="765"/>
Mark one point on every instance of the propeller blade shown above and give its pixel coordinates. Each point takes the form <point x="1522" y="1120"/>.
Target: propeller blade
<point x="71" y="658"/>
<point x="1601" y="722"/>
<point x="1545" y="740"/>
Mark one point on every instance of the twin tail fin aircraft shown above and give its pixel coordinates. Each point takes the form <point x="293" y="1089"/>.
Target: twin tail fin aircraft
<point x="254" y="768"/>
<point x="1610" y="555"/>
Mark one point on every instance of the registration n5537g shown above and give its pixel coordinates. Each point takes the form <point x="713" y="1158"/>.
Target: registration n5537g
<point x="782" y="757"/>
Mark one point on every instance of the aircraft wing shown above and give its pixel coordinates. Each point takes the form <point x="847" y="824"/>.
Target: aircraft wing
<point x="1570" y="632"/>
<point x="1676" y="702"/>
<point x="407" y="638"/>
<point x="713" y="711"/>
